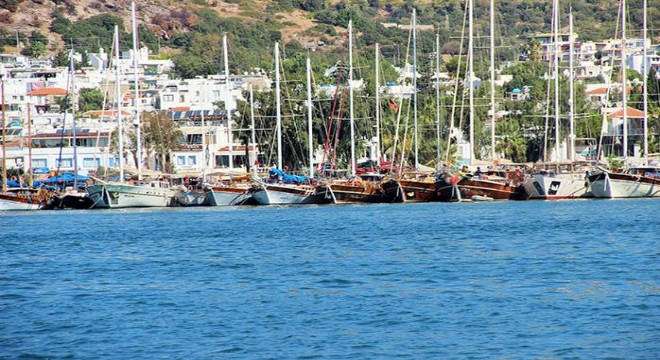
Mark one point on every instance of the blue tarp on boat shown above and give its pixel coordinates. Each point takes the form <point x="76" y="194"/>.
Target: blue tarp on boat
<point x="13" y="184"/>
<point x="66" y="177"/>
<point x="284" y="177"/>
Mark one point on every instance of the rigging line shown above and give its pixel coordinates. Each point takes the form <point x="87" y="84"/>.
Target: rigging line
<point x="328" y="138"/>
<point x="398" y="119"/>
<point x="608" y="81"/>
<point x="287" y="130"/>
<point x="458" y="76"/>
<point x="547" y="99"/>
<point x="344" y="95"/>
<point x="66" y="111"/>
<point x="338" y="131"/>
<point x="105" y="98"/>
<point x="405" y="134"/>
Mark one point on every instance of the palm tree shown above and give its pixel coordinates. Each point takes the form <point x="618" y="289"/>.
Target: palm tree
<point x="511" y="144"/>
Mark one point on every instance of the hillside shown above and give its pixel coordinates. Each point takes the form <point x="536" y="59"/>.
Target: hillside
<point x="181" y="28"/>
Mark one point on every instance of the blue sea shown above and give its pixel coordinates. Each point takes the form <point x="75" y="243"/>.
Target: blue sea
<point x="499" y="280"/>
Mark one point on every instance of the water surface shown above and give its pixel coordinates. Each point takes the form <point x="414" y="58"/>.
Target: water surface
<point x="568" y="279"/>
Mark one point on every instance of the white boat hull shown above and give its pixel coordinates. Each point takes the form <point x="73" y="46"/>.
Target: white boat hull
<point x="289" y="195"/>
<point x="128" y="196"/>
<point x="191" y="198"/>
<point x="8" y="205"/>
<point x="562" y="186"/>
<point x="608" y="187"/>
<point x="226" y="198"/>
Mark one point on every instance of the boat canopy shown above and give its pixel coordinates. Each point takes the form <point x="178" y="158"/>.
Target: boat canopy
<point x="277" y="173"/>
<point x="65" y="178"/>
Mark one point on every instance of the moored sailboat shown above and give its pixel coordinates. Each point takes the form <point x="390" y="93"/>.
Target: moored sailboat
<point x="494" y="184"/>
<point x="556" y="184"/>
<point x="143" y="193"/>
<point x="282" y="188"/>
<point x="636" y="182"/>
<point x="140" y="193"/>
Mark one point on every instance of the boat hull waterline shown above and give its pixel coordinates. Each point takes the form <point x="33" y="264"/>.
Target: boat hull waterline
<point x="614" y="185"/>
<point x="127" y="196"/>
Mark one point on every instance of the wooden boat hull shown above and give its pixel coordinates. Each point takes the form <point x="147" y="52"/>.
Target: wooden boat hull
<point x="470" y="187"/>
<point x="13" y="202"/>
<point x="418" y="191"/>
<point x="447" y="189"/>
<point x="615" y="185"/>
<point x="128" y="196"/>
<point x="392" y="192"/>
<point x="348" y="193"/>
<point x="284" y="194"/>
<point x="228" y="196"/>
<point x="567" y="186"/>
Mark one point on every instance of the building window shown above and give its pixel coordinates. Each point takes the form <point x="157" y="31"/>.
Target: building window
<point x="168" y="97"/>
<point x="39" y="163"/>
<point x="92" y="163"/>
<point x="64" y="163"/>
<point x="222" y="160"/>
<point x="192" y="160"/>
<point x="181" y="160"/>
<point x="113" y="162"/>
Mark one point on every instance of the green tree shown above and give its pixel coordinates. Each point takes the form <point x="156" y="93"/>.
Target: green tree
<point x="161" y="135"/>
<point x="61" y="59"/>
<point x="90" y="99"/>
<point x="34" y="50"/>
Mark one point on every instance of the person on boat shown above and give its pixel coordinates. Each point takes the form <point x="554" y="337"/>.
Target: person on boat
<point x="478" y="173"/>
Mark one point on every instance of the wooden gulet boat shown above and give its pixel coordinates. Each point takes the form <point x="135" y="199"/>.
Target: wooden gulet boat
<point x="634" y="183"/>
<point x="23" y="199"/>
<point x="492" y="185"/>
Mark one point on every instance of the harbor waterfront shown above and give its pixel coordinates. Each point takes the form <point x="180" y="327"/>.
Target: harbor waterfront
<point x="535" y="279"/>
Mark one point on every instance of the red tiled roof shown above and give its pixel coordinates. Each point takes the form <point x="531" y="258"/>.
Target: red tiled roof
<point x="180" y="108"/>
<point x="630" y="112"/>
<point x="603" y="91"/>
<point x="48" y="92"/>
<point x="598" y="91"/>
<point x="97" y="113"/>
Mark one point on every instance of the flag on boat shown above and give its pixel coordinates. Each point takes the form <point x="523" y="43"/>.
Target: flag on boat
<point x="393" y="105"/>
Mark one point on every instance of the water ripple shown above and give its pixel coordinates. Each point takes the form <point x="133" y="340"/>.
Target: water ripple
<point x="493" y="280"/>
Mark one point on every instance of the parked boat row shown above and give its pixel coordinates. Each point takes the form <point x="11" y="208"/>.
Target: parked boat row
<point x="280" y="188"/>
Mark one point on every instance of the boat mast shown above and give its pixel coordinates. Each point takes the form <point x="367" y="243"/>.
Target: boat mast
<point x="437" y="101"/>
<point x="350" y="91"/>
<point x="29" y="124"/>
<point x="4" y="136"/>
<point x="137" y="92"/>
<point x="310" y="141"/>
<point x="254" y="140"/>
<point x="120" y="130"/>
<point x="556" y="56"/>
<point x="471" y="76"/>
<point x="229" y="131"/>
<point x="73" y="115"/>
<point x="624" y="102"/>
<point x="377" y="104"/>
<point x="571" y="90"/>
<point x="492" y="80"/>
<point x="204" y="163"/>
<point x="414" y="40"/>
<point x="645" y="85"/>
<point x="278" y="115"/>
